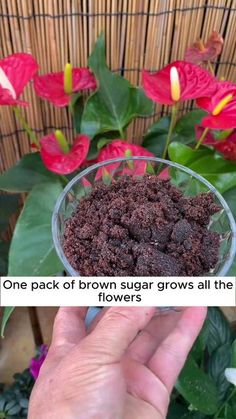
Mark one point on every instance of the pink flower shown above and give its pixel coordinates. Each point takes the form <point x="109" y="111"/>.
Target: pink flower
<point x="16" y="71"/>
<point x="199" y="52"/>
<point x="177" y="82"/>
<point x="63" y="162"/>
<point x="51" y="86"/>
<point x="227" y="147"/>
<point x="119" y="148"/>
<point x="37" y="362"/>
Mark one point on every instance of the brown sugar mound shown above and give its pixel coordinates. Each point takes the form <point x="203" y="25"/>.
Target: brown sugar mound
<point x="141" y="228"/>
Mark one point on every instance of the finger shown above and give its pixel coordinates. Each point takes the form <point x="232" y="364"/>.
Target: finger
<point x="147" y="341"/>
<point x="145" y="385"/>
<point x="68" y="329"/>
<point x="169" y="358"/>
<point x="115" y="331"/>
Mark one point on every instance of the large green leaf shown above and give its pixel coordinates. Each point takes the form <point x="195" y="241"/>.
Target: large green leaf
<point x="232" y="271"/>
<point x="115" y="103"/>
<point x="197" y="388"/>
<point x="6" y="315"/>
<point x="194" y="415"/>
<point x="230" y="411"/>
<point x="27" y="172"/>
<point x="32" y="252"/>
<point x="233" y="359"/>
<point x="77" y="110"/>
<point x="176" y="410"/>
<point x="8" y="206"/>
<point x="185" y="127"/>
<point x="218" y="329"/>
<point x="220" y="172"/>
<point x="199" y="346"/>
<point x="230" y="197"/>
<point x="155" y="138"/>
<point x="4" y="249"/>
<point x="218" y="362"/>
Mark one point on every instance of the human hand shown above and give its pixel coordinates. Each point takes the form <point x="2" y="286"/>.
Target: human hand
<point x="123" y="367"/>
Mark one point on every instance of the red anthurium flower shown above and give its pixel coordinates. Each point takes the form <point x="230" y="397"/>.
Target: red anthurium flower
<point x="227" y="147"/>
<point x="177" y="82"/>
<point x="52" y="86"/>
<point x="199" y="52"/>
<point x="15" y="72"/>
<point x="60" y="161"/>
<point x="221" y="107"/>
<point x="119" y="148"/>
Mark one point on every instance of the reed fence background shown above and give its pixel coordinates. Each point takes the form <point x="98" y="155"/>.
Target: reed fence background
<point x="139" y="34"/>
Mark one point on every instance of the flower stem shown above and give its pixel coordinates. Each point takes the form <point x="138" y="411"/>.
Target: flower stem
<point x="171" y="129"/>
<point x="122" y="133"/>
<point x="233" y="392"/>
<point x="25" y="125"/>
<point x="211" y="69"/>
<point x="202" y="138"/>
<point x="64" y="179"/>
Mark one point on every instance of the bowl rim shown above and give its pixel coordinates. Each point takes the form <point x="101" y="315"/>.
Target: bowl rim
<point x="57" y="245"/>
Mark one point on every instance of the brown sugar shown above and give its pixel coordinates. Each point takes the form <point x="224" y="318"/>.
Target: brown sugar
<point x="141" y="227"/>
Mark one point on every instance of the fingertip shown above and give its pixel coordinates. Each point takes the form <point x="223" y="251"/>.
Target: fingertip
<point x="69" y="326"/>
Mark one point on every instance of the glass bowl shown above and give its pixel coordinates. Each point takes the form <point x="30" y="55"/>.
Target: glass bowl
<point x="189" y="182"/>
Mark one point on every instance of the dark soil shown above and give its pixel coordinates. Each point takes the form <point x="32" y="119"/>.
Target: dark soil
<point x="142" y="228"/>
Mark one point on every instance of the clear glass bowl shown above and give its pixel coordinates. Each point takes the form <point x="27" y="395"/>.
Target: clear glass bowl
<point x="189" y="182"/>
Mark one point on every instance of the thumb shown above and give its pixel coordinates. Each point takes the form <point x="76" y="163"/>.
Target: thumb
<point x="115" y="331"/>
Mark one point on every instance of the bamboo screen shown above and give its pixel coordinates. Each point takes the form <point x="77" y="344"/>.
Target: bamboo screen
<point x="139" y="34"/>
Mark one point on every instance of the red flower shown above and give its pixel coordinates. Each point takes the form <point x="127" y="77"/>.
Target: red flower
<point x="165" y="174"/>
<point x="221" y="107"/>
<point x="61" y="162"/>
<point x="119" y="148"/>
<point x="51" y="86"/>
<point x="199" y="52"/>
<point x="176" y="82"/>
<point x="227" y="147"/>
<point x="15" y="72"/>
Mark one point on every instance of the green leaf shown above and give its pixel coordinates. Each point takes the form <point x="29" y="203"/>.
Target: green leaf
<point x="4" y="249"/>
<point x="185" y="127"/>
<point x="77" y="108"/>
<point x="219" y="330"/>
<point x="194" y="415"/>
<point x="218" y="362"/>
<point x="233" y="359"/>
<point x="231" y="409"/>
<point x="27" y="172"/>
<point x="221" y="173"/>
<point x="230" y="197"/>
<point x="176" y="410"/>
<point x="155" y="138"/>
<point x="199" y="346"/>
<point x="185" y="155"/>
<point x="8" y="206"/>
<point x="197" y="388"/>
<point x="14" y="409"/>
<point x="24" y="403"/>
<point x="102" y="142"/>
<point x="113" y="106"/>
<point x="6" y="315"/>
<point x="32" y="252"/>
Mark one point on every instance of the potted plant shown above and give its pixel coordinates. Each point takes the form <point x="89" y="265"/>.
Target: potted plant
<point x="202" y="139"/>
